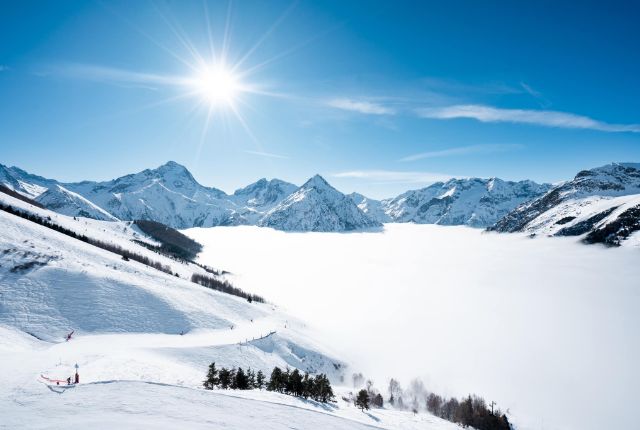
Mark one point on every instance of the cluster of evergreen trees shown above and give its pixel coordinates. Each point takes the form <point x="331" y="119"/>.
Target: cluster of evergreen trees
<point x="235" y="379"/>
<point x="19" y="196"/>
<point x="366" y="399"/>
<point x="173" y="243"/>
<point x="296" y="384"/>
<point x="471" y="411"/>
<point x="224" y="286"/>
<point x="288" y="382"/>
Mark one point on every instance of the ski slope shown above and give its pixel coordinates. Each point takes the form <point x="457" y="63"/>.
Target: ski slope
<point x="143" y="340"/>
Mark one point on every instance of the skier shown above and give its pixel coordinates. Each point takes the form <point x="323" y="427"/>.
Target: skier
<point x="69" y="335"/>
<point x="77" y="378"/>
<point x="69" y="380"/>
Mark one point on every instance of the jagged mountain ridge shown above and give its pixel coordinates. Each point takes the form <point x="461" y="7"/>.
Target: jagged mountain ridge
<point x="170" y="195"/>
<point x="602" y="204"/>
<point x="474" y="202"/>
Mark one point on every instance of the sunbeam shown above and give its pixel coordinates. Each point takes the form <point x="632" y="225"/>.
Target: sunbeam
<point x="219" y="82"/>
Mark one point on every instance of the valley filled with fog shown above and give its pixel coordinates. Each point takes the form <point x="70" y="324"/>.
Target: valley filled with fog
<point x="547" y="328"/>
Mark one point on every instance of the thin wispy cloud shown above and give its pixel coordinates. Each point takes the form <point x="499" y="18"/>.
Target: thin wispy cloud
<point x="456" y="88"/>
<point x="111" y="75"/>
<point x="547" y="118"/>
<point x="266" y="154"/>
<point x="541" y="99"/>
<point x="463" y="150"/>
<point x="393" y="176"/>
<point x="361" y="106"/>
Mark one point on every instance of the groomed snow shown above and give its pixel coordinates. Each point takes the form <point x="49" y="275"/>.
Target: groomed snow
<point x="545" y="327"/>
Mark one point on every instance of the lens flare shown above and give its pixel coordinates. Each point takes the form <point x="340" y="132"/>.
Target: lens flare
<point x="217" y="85"/>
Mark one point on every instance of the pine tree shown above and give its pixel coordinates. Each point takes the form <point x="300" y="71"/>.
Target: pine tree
<point x="232" y="379"/>
<point x="224" y="378"/>
<point x="212" y="377"/>
<point x="259" y="380"/>
<point x="362" y="401"/>
<point x="286" y="381"/>
<point x="322" y="389"/>
<point x="275" y="383"/>
<point x="242" y="382"/>
<point x="308" y="386"/>
<point x="295" y="383"/>
<point x="251" y="379"/>
<point x="377" y="400"/>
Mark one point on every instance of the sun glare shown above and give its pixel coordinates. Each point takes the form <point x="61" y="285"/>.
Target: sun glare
<point x="218" y="85"/>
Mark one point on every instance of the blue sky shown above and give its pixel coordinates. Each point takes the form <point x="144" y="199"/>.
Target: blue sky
<point x="378" y="97"/>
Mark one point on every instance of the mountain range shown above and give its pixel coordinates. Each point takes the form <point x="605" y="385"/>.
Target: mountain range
<point x="600" y="204"/>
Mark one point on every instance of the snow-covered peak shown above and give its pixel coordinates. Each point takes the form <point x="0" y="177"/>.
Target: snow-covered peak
<point x="171" y="169"/>
<point x="260" y="184"/>
<point x="318" y="182"/>
<point x="317" y="206"/>
<point x="254" y="200"/>
<point x="264" y="186"/>
<point x="611" y="179"/>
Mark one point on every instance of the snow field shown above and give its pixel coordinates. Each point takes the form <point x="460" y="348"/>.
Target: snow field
<point x="545" y="327"/>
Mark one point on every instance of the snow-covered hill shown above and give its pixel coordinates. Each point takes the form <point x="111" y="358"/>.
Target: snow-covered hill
<point x="474" y="202"/>
<point x="602" y="205"/>
<point x="143" y="340"/>
<point x="317" y="206"/>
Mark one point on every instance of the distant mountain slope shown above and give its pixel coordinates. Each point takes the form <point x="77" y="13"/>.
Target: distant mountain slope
<point x="317" y="206"/>
<point x="59" y="199"/>
<point x="24" y="183"/>
<point x="601" y="203"/>
<point x="373" y="208"/>
<point x="168" y="194"/>
<point x="171" y="195"/>
<point x="474" y="202"/>
<point x="254" y="200"/>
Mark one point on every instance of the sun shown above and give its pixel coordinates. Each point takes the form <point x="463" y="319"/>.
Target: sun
<point x="217" y="85"/>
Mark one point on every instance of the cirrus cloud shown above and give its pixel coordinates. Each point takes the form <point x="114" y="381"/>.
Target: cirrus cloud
<point x="546" y="118"/>
<point x="361" y="106"/>
<point x="464" y="150"/>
